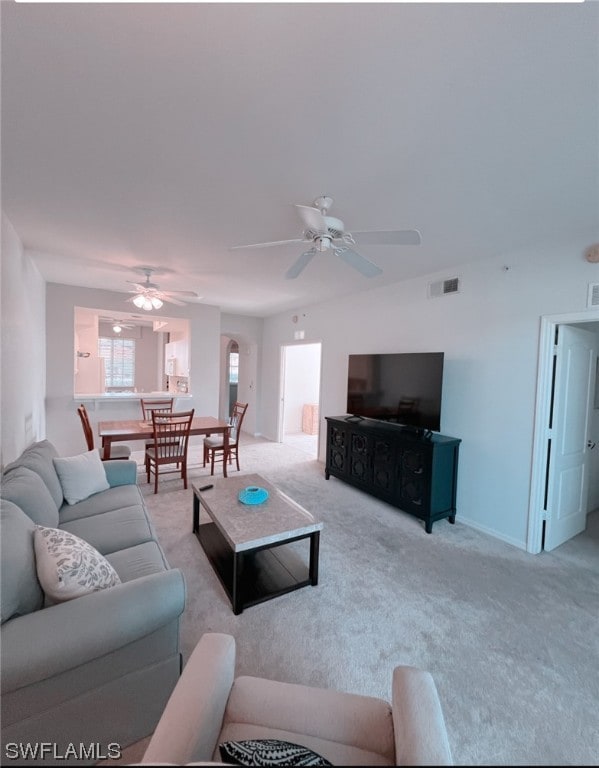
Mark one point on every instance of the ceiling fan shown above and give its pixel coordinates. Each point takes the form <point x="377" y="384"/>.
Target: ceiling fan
<point x="148" y="295"/>
<point x="117" y="324"/>
<point x="323" y="232"/>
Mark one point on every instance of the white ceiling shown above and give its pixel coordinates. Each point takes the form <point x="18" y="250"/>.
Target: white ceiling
<point x="159" y="134"/>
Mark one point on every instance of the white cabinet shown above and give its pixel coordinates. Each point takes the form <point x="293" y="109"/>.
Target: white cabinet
<point x="169" y="358"/>
<point x="176" y="358"/>
<point x="182" y="366"/>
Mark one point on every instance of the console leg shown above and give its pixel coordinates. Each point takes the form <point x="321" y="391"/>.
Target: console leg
<point x="428" y="526"/>
<point x="452" y="519"/>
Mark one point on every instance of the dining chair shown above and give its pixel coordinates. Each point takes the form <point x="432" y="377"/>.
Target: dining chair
<point x="147" y="406"/>
<point x="169" y="447"/>
<point x="116" y="451"/>
<point x="214" y="446"/>
<point x="163" y="405"/>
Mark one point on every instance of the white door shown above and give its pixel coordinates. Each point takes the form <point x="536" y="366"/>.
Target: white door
<point x="568" y="477"/>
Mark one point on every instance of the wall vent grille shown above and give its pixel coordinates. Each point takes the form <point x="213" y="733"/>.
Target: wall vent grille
<point x="593" y="296"/>
<point x="444" y="287"/>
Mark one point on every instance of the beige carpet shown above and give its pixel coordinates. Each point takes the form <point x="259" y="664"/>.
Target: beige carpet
<point x="511" y="639"/>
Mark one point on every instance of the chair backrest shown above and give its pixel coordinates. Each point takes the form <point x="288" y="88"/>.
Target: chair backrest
<point x="236" y="421"/>
<point x="171" y="434"/>
<point x="87" y="427"/>
<point x="165" y="405"/>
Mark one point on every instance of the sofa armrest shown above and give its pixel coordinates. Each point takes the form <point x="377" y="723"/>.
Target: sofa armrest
<point x="420" y="734"/>
<point x="192" y="719"/>
<point x="60" y="637"/>
<point x="120" y="472"/>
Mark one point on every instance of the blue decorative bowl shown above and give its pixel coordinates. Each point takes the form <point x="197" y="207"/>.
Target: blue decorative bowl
<point x="253" y="495"/>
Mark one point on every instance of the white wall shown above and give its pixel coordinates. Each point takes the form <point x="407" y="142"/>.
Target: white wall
<point x="489" y="333"/>
<point x="63" y="425"/>
<point x="23" y="348"/>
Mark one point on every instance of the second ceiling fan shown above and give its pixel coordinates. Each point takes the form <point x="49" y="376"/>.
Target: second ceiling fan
<point x="148" y="295"/>
<point x="323" y="232"/>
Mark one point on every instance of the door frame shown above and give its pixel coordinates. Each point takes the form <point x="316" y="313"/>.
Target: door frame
<point x="283" y="374"/>
<point x="232" y="342"/>
<point x="536" y="511"/>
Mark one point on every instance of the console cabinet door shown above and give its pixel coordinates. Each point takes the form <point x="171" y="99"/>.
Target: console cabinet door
<point x="414" y="479"/>
<point x="337" y="441"/>
<point x="384" y="462"/>
<point x="360" y="457"/>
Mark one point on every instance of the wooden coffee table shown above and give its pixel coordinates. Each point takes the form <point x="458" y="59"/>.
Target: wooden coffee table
<point x="250" y="546"/>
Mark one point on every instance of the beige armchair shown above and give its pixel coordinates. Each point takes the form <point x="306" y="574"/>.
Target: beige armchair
<point x="209" y="706"/>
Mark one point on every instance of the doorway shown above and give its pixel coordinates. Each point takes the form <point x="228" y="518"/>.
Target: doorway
<point x="232" y="374"/>
<point x="299" y="415"/>
<point x="565" y="468"/>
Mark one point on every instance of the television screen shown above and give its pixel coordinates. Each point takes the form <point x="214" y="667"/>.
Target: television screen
<point x="403" y="388"/>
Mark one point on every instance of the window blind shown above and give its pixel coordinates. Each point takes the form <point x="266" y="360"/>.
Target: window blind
<point x="119" y="361"/>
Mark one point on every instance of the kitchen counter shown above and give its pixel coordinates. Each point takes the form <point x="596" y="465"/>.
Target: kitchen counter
<point x="112" y="396"/>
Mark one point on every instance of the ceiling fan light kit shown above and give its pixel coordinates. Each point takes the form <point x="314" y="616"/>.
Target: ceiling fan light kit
<point x="145" y="302"/>
<point x="323" y="233"/>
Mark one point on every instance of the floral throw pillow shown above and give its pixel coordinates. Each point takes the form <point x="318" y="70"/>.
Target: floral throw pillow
<point x="69" y="567"/>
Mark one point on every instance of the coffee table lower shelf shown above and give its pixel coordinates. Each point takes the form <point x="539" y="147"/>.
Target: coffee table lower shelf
<point x="254" y="575"/>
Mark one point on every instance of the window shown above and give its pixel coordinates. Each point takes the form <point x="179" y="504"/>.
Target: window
<point x="233" y="367"/>
<point x="119" y="361"/>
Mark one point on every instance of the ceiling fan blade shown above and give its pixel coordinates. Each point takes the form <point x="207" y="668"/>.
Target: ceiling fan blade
<point x="165" y="297"/>
<point x="191" y="294"/>
<point x="300" y="264"/>
<point x="312" y="218"/>
<point x="138" y="287"/>
<point x="267" y="245"/>
<point x="388" y="237"/>
<point x="365" y="267"/>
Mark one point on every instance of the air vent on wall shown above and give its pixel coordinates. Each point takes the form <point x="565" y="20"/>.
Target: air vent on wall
<point x="593" y="295"/>
<point x="444" y="287"/>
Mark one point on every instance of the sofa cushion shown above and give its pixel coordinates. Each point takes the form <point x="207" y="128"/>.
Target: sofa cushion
<point x="81" y="476"/>
<point x="27" y="490"/>
<point x="114" y="530"/>
<point x="137" y="562"/>
<point x="107" y="501"/>
<point x="21" y="592"/>
<point x="69" y="567"/>
<point x="38" y="457"/>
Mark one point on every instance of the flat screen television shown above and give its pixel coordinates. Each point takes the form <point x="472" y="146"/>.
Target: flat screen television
<point x="403" y="388"/>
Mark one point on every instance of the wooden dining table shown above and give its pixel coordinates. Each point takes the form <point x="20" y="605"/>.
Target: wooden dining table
<point x="138" y="429"/>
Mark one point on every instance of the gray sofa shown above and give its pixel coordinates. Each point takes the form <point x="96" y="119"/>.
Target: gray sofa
<point x="96" y="670"/>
